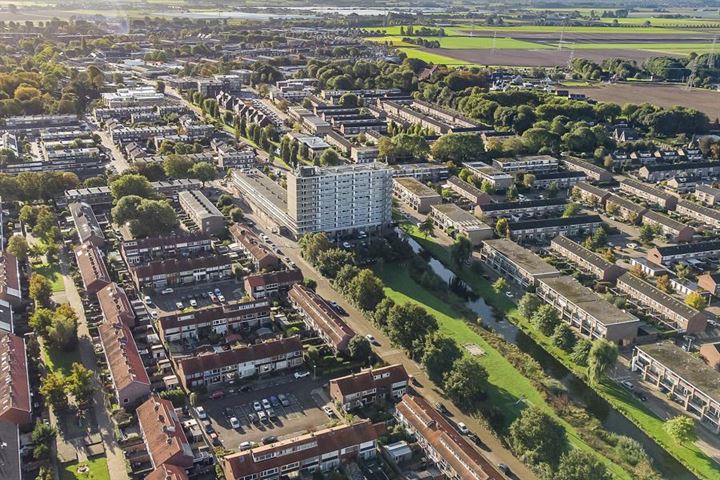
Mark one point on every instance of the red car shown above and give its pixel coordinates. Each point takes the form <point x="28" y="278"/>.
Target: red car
<point x="217" y="394"/>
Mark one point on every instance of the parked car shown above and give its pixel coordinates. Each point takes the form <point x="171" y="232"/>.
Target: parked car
<point x="329" y="411"/>
<point x="274" y="401"/>
<point x="167" y="291"/>
<point x="627" y="384"/>
<point x="262" y="417"/>
<point x="283" y="400"/>
<point x="213" y="297"/>
<point x="271" y="413"/>
<point x="269" y="439"/>
<point x="266" y="403"/>
<point x="441" y="408"/>
<point x="371" y="339"/>
<point x="257" y="406"/>
<point x="217" y="394"/>
<point x="462" y="428"/>
<point x="301" y="374"/>
<point x="234" y="422"/>
<point x="200" y="411"/>
<point x="246" y="446"/>
<point x="193" y="303"/>
<point x="217" y="291"/>
<point x="253" y="418"/>
<point x="221" y="298"/>
<point x="147" y="299"/>
<point x="179" y="305"/>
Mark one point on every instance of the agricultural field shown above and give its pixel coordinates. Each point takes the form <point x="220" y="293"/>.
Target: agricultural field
<point x="548" y="46"/>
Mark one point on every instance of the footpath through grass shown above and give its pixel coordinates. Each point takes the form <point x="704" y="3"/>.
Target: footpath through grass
<point x="686" y="453"/>
<point x="94" y="469"/>
<point x="510" y="391"/>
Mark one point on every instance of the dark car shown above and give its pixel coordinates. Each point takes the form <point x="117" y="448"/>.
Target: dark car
<point x="442" y="409"/>
<point x="269" y="439"/>
<point x="274" y="401"/>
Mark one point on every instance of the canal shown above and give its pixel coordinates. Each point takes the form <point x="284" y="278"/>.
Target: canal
<point x="577" y="390"/>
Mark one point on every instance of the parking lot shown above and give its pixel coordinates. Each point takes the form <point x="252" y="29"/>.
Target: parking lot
<point x="301" y="413"/>
<point x="231" y="290"/>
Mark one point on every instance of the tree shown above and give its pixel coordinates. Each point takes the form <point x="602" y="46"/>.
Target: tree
<point x="176" y="396"/>
<point x="499" y="285"/>
<point x="329" y="158"/>
<point x="537" y="437"/>
<point x="528" y="305"/>
<point x="53" y="390"/>
<point x="203" y="171"/>
<point x="348" y="100"/>
<point x="637" y="271"/>
<point x="579" y="465"/>
<point x="528" y="180"/>
<point x="663" y="283"/>
<point x="682" y="270"/>
<point x="552" y="189"/>
<point x="62" y="332"/>
<point x="439" y="355"/>
<point x="359" y="348"/>
<point x="382" y="311"/>
<point x="40" y="320"/>
<point x="458" y="148"/>
<point x="144" y="216"/>
<point x="696" y="300"/>
<point x="646" y="234"/>
<point x="546" y="319"/>
<point x="681" y="429"/>
<point x="571" y="209"/>
<point x="79" y="384"/>
<point x="366" y="290"/>
<point x="43" y="435"/>
<point x="461" y="250"/>
<point x="40" y="289"/>
<point x="581" y="352"/>
<point x="466" y="382"/>
<point x="563" y="337"/>
<point x="131" y="184"/>
<point x="601" y="359"/>
<point x="407" y="326"/>
<point x="502" y="227"/>
<point x="427" y="227"/>
<point x="329" y="262"/>
<point x="177" y="166"/>
<point x="312" y="244"/>
<point x="18" y="247"/>
<point x="511" y="193"/>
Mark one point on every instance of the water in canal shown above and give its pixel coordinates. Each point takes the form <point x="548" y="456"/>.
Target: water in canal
<point x="577" y="390"/>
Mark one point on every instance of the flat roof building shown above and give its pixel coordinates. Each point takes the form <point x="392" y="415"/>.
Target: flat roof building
<point x="594" y="172"/>
<point x="202" y="212"/>
<point x="454" y="220"/>
<point x="515" y="263"/>
<point x="543" y="230"/>
<point x="415" y="194"/>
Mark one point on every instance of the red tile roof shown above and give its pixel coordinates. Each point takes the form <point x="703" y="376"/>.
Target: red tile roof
<point x="234" y="312"/>
<point x="168" y="472"/>
<point x="281" y="453"/>
<point x="14" y="383"/>
<point x="261" y="254"/>
<point x="446" y="440"/>
<point x="10" y="288"/>
<point x="203" y="363"/>
<point x="164" y="437"/>
<point x="284" y="277"/>
<point x="92" y="267"/>
<point x="178" y="265"/>
<point x="378" y="378"/>
<point x="323" y="316"/>
<point x="126" y="366"/>
<point x="115" y="305"/>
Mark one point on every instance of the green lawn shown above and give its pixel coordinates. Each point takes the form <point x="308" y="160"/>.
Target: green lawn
<point x="59" y="360"/>
<point x="688" y="454"/>
<point x="97" y="470"/>
<point x="52" y="272"/>
<point x="433" y="57"/>
<point x="509" y="386"/>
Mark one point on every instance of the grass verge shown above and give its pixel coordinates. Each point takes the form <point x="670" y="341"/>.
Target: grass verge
<point x="97" y="469"/>
<point x="60" y="360"/>
<point x="52" y="272"/>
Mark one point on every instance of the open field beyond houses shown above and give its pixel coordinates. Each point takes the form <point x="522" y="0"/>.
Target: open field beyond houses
<point x="706" y="101"/>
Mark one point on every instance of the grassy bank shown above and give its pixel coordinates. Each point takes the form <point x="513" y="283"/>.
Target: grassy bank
<point x="687" y="454"/>
<point x="510" y="390"/>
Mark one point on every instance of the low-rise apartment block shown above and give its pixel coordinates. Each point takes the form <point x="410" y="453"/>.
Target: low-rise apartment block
<point x="92" y="268"/>
<point x="562" y="180"/>
<point x="131" y="383"/>
<point x="15" y="398"/>
<point x="321" y="317"/>
<point x="454" y="220"/>
<point x="527" y="208"/>
<point x="671" y="228"/>
<point x="587" y="260"/>
<point x="422" y="172"/>
<point x="527" y="164"/>
<point x="177" y="244"/>
<point x="543" y="230"/>
<point x="685" y="378"/>
<point x="624" y="208"/>
<point x="165" y="439"/>
<point x="590" y="194"/>
<point x="515" y="263"/>
<point x="497" y="179"/>
<point x="414" y="194"/>
<point x="659" y="172"/>
<point x="442" y="443"/>
<point x="673" y="311"/>
<point x="115" y="305"/>
<point x="369" y="386"/>
<point x="201" y="211"/>
<point x="324" y="450"/>
<point x="595" y="173"/>
<point x="669" y="254"/>
<point x="86" y="224"/>
<point x="468" y="191"/>
<point x="240" y="363"/>
<point x="270" y="284"/>
<point x="183" y="271"/>
<point x="706" y="215"/>
<point x="217" y="319"/>
<point x="707" y="194"/>
<point x="585" y="311"/>
<point x="649" y="193"/>
<point x="10" y="286"/>
<point x="262" y="257"/>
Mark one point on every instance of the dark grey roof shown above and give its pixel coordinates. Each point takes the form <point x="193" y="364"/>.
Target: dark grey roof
<point x="555" y="222"/>
<point x="550" y="202"/>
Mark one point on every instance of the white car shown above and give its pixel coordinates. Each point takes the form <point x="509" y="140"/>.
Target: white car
<point x="246" y="446"/>
<point x="193" y="302"/>
<point x="179" y="305"/>
<point x="167" y="291"/>
<point x="329" y="411"/>
<point x="201" y="413"/>
<point x="257" y="406"/>
<point x="221" y="298"/>
<point x="509" y="294"/>
<point x="371" y="339"/>
<point x="234" y="422"/>
<point x="266" y="403"/>
<point x="462" y="428"/>
<point x="147" y="299"/>
<point x="301" y="374"/>
<point x="154" y="313"/>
